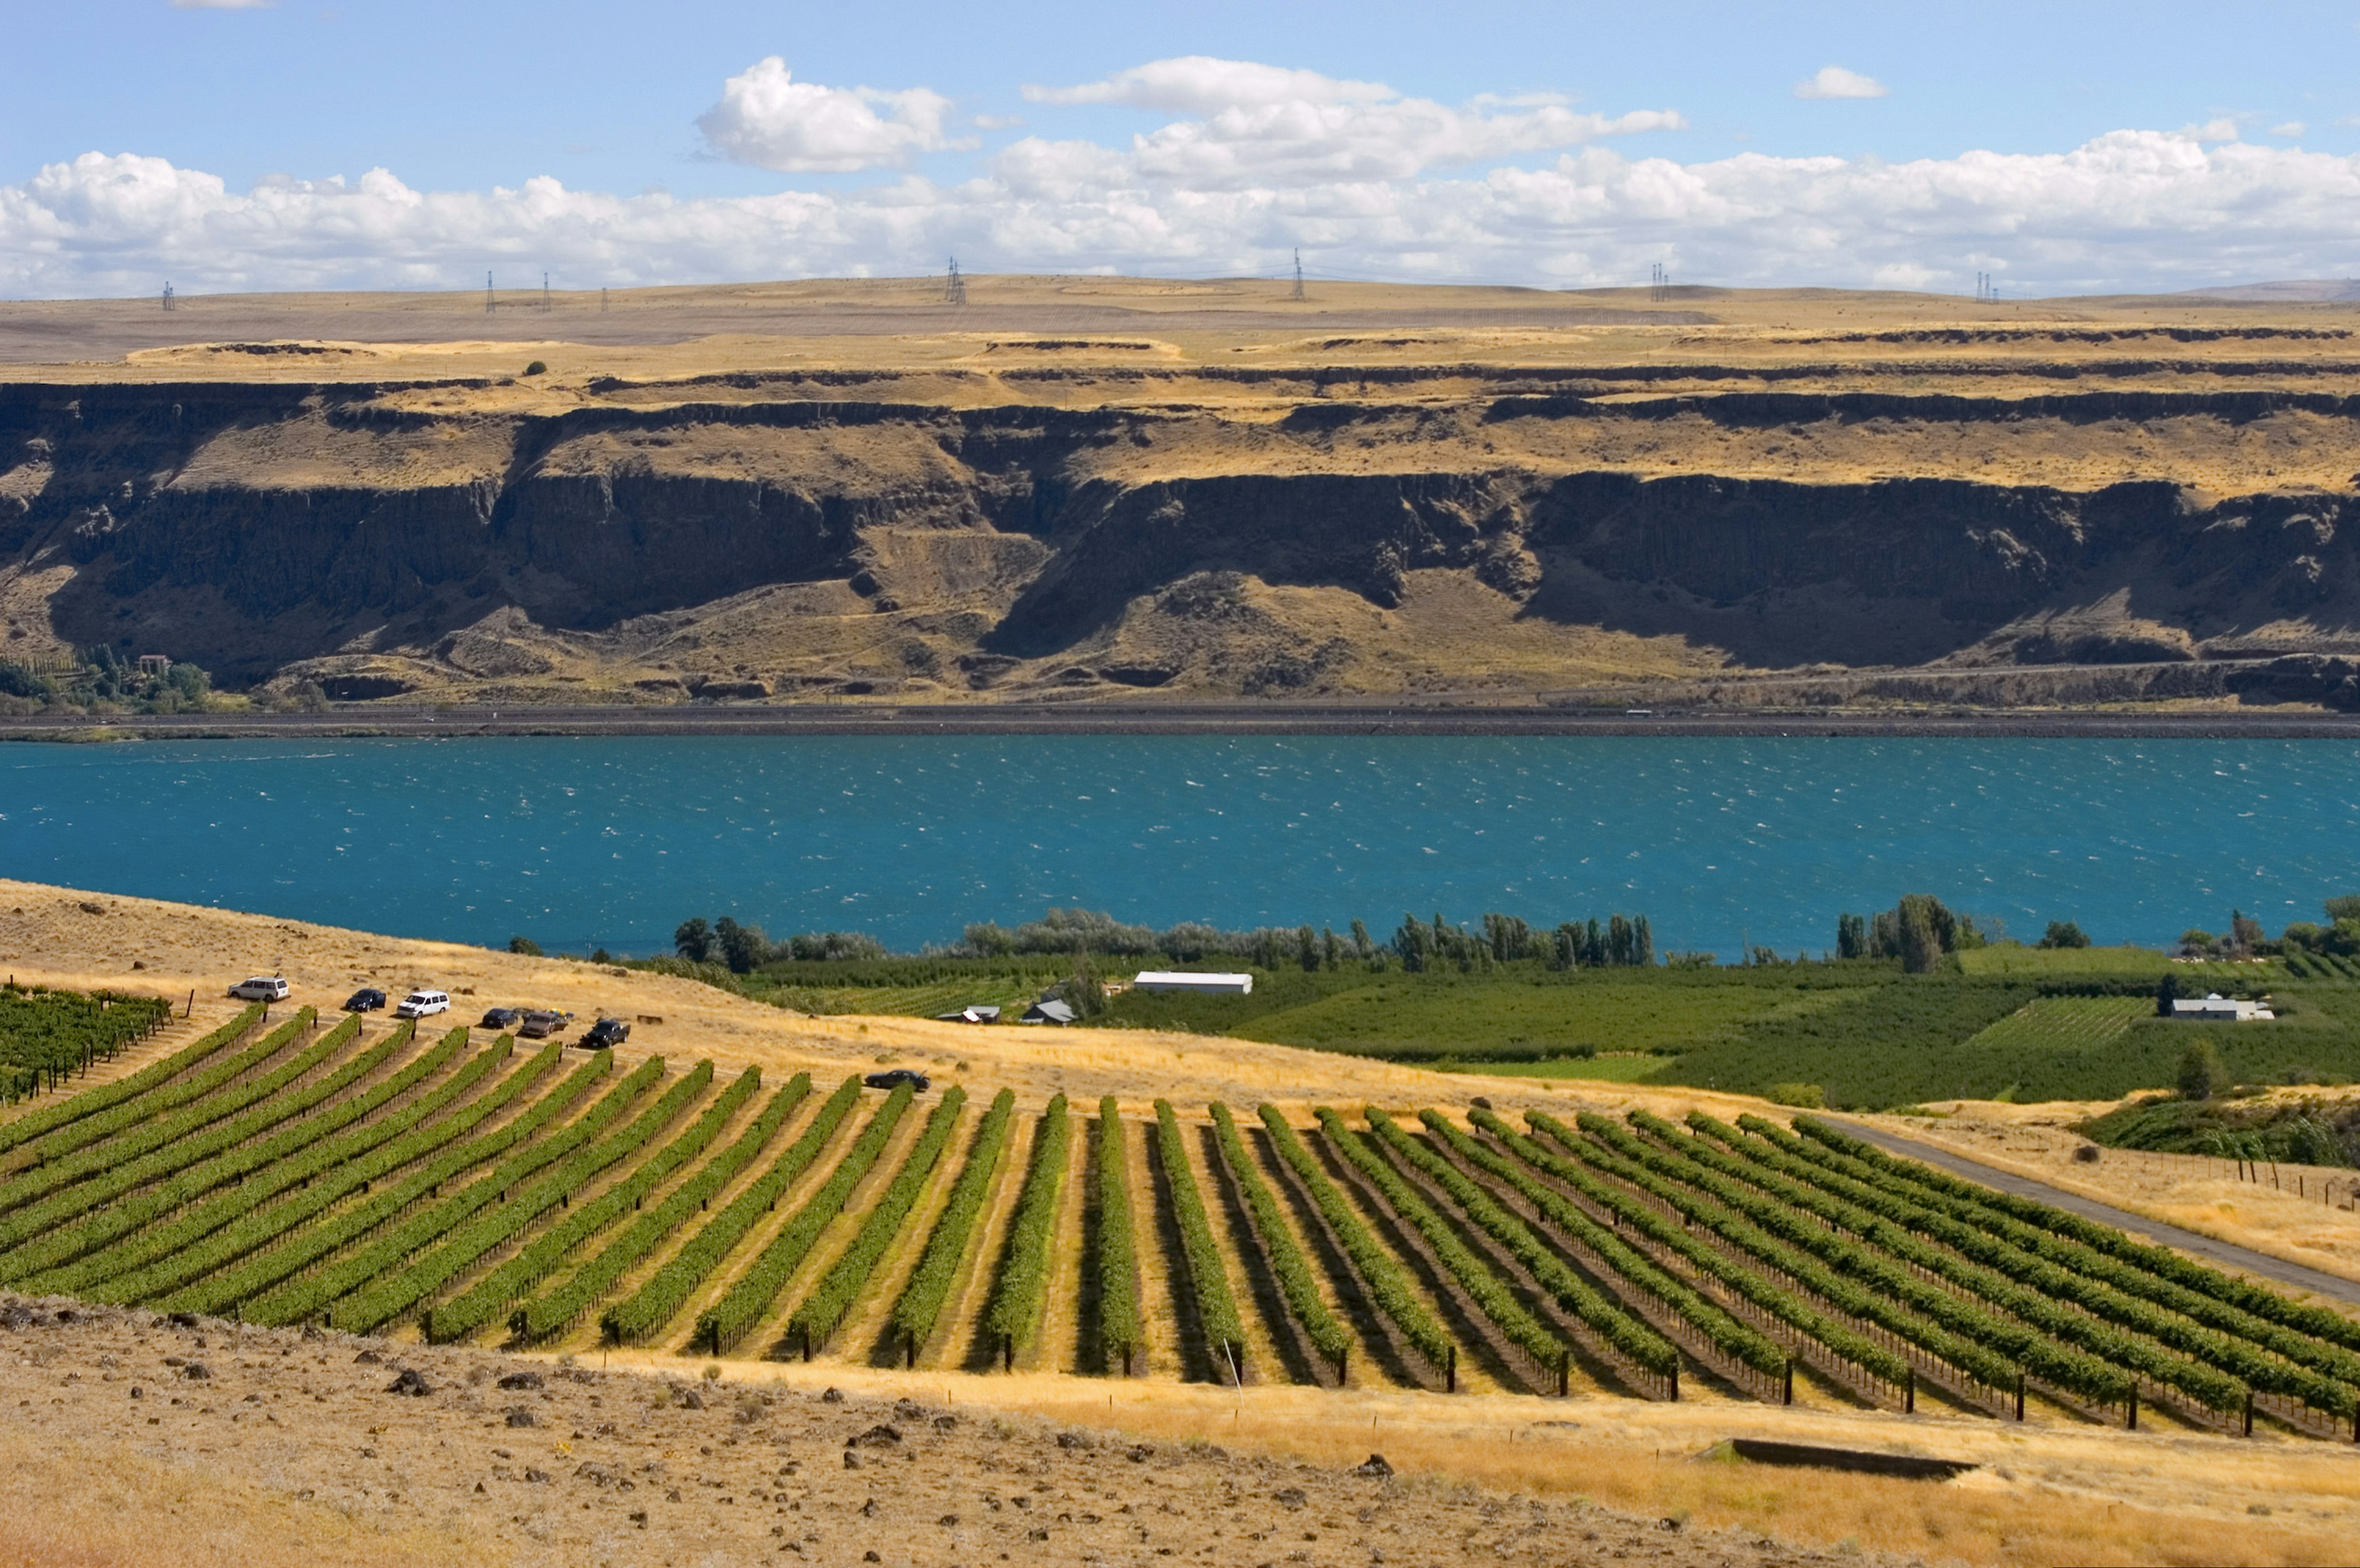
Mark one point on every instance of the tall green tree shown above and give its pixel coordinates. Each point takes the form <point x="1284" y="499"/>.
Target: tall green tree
<point x="1852" y="936"/>
<point x="744" y="948"/>
<point x="692" y="940"/>
<point x="2201" y="1074"/>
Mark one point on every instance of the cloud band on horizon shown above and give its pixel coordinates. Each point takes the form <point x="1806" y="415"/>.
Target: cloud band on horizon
<point x="1252" y="162"/>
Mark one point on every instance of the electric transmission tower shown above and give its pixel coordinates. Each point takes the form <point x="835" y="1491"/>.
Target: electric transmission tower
<point x="544" y="293"/>
<point x="953" y="285"/>
<point x="1298" y="275"/>
<point x="167" y="295"/>
<point x="487" y="293"/>
<point x="1659" y="283"/>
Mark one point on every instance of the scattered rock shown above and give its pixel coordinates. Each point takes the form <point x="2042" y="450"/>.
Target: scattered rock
<point x="1375" y="1465"/>
<point x="368" y="1359"/>
<point x="183" y="1320"/>
<point x="851" y="1459"/>
<point x="878" y="1436"/>
<point x="949" y="1521"/>
<point x="196" y="1371"/>
<point x="411" y="1382"/>
<point x="537" y="1477"/>
<point x="519" y="1416"/>
<point x="1290" y="1497"/>
<point x="1080" y="1440"/>
<point x="522" y="1380"/>
<point x="689" y="1399"/>
<point x="831" y="1396"/>
<point x="946" y="1422"/>
<point x="1141" y="1453"/>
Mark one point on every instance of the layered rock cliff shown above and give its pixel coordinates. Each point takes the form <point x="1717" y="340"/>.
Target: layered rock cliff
<point x="1440" y="529"/>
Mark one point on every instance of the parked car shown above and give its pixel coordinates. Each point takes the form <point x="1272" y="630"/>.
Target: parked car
<point x="605" y="1032"/>
<point x="260" y="988"/>
<point x="541" y="1025"/>
<point x="367" y="1000"/>
<point x="501" y="1018"/>
<point x="423" y="1004"/>
<point x="895" y="1077"/>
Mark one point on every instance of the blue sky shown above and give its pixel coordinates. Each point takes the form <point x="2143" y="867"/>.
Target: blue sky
<point x="1561" y="145"/>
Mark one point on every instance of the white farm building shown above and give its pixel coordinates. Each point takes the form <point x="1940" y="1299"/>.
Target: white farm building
<point x="2217" y="1008"/>
<point x="1200" y="985"/>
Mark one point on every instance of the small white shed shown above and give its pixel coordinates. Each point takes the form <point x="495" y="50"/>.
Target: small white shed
<point x="1200" y="985"/>
<point x="2219" y="1010"/>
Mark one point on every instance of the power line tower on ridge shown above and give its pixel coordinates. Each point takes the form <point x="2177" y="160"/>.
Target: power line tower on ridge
<point x="167" y="295"/>
<point x="487" y="293"/>
<point x="544" y="293"/>
<point x="1659" y="283"/>
<point x="1298" y="275"/>
<point x="955" y="286"/>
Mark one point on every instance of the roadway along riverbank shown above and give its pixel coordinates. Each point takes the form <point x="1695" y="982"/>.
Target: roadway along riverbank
<point x="1453" y="718"/>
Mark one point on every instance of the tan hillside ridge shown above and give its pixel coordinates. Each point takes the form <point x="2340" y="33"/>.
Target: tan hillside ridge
<point x="1109" y="489"/>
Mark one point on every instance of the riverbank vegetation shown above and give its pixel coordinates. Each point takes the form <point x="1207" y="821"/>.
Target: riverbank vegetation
<point x="1914" y="1004"/>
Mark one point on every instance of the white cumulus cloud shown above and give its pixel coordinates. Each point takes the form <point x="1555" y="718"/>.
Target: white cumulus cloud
<point x="1201" y="84"/>
<point x="2291" y="128"/>
<point x="1262" y="124"/>
<point x="1835" y="82"/>
<point x="772" y="121"/>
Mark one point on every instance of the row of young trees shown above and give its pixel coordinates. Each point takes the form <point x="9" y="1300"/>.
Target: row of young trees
<point x="1418" y="945"/>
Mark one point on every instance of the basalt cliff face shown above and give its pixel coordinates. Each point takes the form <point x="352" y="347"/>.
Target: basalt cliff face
<point x="1443" y="528"/>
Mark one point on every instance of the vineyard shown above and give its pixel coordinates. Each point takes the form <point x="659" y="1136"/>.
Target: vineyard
<point x="459" y="1189"/>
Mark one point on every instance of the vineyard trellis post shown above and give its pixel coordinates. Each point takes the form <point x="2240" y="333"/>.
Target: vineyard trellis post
<point x="1909" y="1393"/>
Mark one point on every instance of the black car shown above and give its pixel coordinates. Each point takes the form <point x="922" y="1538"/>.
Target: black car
<point x="367" y="1000"/>
<point x="501" y="1018"/>
<point x="605" y="1032"/>
<point x="896" y="1078"/>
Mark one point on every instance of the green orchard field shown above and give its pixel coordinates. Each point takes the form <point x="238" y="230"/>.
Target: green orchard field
<point x="1991" y="1023"/>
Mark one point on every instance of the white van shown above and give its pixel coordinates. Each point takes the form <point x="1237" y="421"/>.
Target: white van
<point x="418" y="1004"/>
<point x="260" y="988"/>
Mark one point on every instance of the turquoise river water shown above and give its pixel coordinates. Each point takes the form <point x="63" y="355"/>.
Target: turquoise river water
<point x="580" y="843"/>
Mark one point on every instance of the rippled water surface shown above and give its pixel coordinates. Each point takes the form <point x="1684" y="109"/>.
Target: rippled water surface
<point x="580" y="843"/>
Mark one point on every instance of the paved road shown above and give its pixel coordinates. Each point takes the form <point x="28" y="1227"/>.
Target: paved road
<point x="2226" y="1254"/>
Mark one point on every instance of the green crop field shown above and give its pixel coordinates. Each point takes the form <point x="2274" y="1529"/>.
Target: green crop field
<point x="1998" y="1022"/>
<point x="372" y="1179"/>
